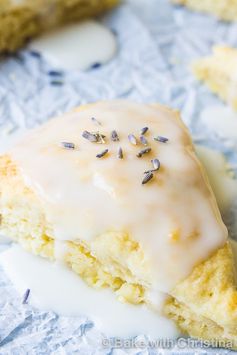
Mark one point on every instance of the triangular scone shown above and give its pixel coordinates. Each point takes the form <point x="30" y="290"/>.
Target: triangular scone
<point x="161" y="226"/>
<point x="205" y="304"/>
<point x="223" y="9"/>
<point x="217" y="71"/>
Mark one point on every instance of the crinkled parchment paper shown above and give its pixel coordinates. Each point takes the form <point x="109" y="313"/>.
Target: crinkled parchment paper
<point x="156" y="44"/>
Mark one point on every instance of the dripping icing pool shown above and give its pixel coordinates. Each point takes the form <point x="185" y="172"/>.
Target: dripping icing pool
<point x="54" y="287"/>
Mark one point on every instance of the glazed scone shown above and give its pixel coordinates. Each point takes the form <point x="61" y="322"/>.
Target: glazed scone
<point x="82" y="189"/>
<point x="217" y="71"/>
<point x="21" y="20"/>
<point x="223" y="9"/>
<point x="205" y="304"/>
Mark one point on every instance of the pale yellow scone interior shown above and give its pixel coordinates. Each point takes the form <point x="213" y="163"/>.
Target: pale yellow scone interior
<point x="223" y="9"/>
<point x="217" y="71"/>
<point x="65" y="197"/>
<point x="22" y="20"/>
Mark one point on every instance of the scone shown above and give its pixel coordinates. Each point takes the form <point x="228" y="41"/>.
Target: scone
<point x="217" y="71"/>
<point x="116" y="192"/>
<point x="223" y="9"/>
<point x="21" y="20"/>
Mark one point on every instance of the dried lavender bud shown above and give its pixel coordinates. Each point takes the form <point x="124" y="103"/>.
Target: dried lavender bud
<point x="26" y="296"/>
<point x="143" y="151"/>
<point x="95" y="65"/>
<point x="94" y="137"/>
<point x="94" y="120"/>
<point x="161" y="139"/>
<point x="120" y="153"/>
<point x="55" y="73"/>
<point x="144" y="130"/>
<point x="149" y="175"/>
<point x="132" y="139"/>
<point x="56" y="82"/>
<point x="102" y="154"/>
<point x="67" y="145"/>
<point x="90" y="136"/>
<point x="35" y="54"/>
<point x="100" y="138"/>
<point x="156" y="164"/>
<point x="143" y="140"/>
<point x="114" y="136"/>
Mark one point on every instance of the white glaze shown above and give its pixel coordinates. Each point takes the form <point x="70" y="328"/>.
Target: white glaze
<point x="221" y="178"/>
<point x="222" y="120"/>
<point x="54" y="287"/>
<point x="8" y="139"/>
<point x="77" y="46"/>
<point x="60" y="249"/>
<point x="84" y="196"/>
<point x="220" y="175"/>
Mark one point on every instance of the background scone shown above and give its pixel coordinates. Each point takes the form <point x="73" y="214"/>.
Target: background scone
<point x="21" y="20"/>
<point x="82" y="189"/>
<point x="217" y="71"/>
<point x="223" y="9"/>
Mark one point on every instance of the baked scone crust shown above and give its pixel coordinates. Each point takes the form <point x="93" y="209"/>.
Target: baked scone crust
<point x="217" y="71"/>
<point x="20" y="21"/>
<point x="204" y="305"/>
<point x="223" y="9"/>
<point x="24" y="221"/>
